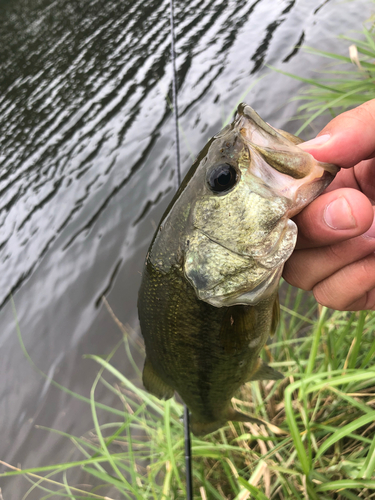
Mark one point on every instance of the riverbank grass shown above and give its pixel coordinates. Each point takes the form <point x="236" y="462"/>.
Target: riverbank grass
<point x="344" y="83"/>
<point x="318" y="441"/>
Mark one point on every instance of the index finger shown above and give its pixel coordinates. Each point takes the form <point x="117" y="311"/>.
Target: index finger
<point x="347" y="139"/>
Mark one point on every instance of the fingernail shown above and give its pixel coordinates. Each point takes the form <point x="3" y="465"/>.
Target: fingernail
<point x="338" y="215"/>
<point x="318" y="141"/>
<point x="370" y="233"/>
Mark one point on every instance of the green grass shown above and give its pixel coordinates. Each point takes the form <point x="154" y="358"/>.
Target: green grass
<point x="319" y="444"/>
<point x="346" y="81"/>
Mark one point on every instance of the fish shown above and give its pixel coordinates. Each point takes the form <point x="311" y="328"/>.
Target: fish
<point x="208" y="300"/>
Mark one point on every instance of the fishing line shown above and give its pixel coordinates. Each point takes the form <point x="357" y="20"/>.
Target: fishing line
<point x="189" y="482"/>
<point x="174" y="98"/>
<point x="189" y="479"/>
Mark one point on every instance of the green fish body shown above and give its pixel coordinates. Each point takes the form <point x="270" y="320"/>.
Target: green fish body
<point x="209" y="294"/>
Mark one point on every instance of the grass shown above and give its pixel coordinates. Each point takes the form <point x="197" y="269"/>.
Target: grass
<point x="347" y="81"/>
<point x="319" y="444"/>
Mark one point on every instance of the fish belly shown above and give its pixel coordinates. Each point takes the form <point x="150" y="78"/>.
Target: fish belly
<point x="203" y="352"/>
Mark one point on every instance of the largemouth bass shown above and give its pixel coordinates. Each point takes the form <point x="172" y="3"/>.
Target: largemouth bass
<point x="209" y="294"/>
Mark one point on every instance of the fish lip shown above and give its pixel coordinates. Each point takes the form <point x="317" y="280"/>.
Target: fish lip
<point x="248" y="112"/>
<point x="273" y="148"/>
<point x="299" y="192"/>
<point x="330" y="168"/>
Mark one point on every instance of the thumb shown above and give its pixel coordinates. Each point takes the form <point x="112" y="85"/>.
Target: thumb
<point x="347" y="139"/>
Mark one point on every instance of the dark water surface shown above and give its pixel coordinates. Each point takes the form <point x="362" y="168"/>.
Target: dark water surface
<point x="87" y="168"/>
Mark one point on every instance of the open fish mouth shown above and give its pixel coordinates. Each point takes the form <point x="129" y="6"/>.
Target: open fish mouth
<point x="277" y="160"/>
<point x="300" y="191"/>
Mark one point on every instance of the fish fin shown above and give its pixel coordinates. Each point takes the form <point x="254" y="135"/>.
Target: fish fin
<point x="275" y="315"/>
<point x="154" y="384"/>
<point x="265" y="372"/>
<point x="203" y="428"/>
<point x="237" y="416"/>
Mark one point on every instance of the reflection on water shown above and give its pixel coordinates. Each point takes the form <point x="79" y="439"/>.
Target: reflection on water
<point x="86" y="153"/>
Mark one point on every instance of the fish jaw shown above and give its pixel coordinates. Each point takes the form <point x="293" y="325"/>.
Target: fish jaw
<point x="299" y="190"/>
<point x="286" y="170"/>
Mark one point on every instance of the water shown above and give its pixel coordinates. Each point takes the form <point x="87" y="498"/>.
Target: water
<point x="87" y="168"/>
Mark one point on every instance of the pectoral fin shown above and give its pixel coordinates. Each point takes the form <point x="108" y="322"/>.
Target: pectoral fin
<point x="265" y="372"/>
<point x="154" y="384"/>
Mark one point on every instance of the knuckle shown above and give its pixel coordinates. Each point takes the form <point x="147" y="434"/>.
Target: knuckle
<point x="295" y="277"/>
<point x="321" y="296"/>
<point x="324" y="296"/>
<point x="364" y="113"/>
<point x="370" y="300"/>
<point x="367" y="110"/>
<point x="334" y="253"/>
<point x="296" y="282"/>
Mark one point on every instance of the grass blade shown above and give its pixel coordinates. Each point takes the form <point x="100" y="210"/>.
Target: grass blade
<point x="346" y="483"/>
<point x="344" y="431"/>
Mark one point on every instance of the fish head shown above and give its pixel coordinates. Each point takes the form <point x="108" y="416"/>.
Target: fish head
<point x="248" y="183"/>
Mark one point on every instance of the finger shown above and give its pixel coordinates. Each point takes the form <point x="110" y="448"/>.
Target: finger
<point x="308" y="267"/>
<point x="365" y="302"/>
<point x="350" y="289"/>
<point x="361" y="177"/>
<point x="333" y="217"/>
<point x="364" y="174"/>
<point x="346" y="178"/>
<point x="347" y="139"/>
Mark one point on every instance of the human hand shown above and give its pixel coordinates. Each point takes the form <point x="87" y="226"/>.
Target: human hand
<point x="335" y="251"/>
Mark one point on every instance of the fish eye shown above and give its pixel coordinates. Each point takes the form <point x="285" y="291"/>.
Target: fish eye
<point x="222" y="178"/>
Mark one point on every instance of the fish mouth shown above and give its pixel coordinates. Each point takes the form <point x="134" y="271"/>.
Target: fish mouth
<point x="276" y="159"/>
<point x="299" y="179"/>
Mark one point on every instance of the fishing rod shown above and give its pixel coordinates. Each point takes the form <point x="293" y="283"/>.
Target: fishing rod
<point x="188" y="456"/>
